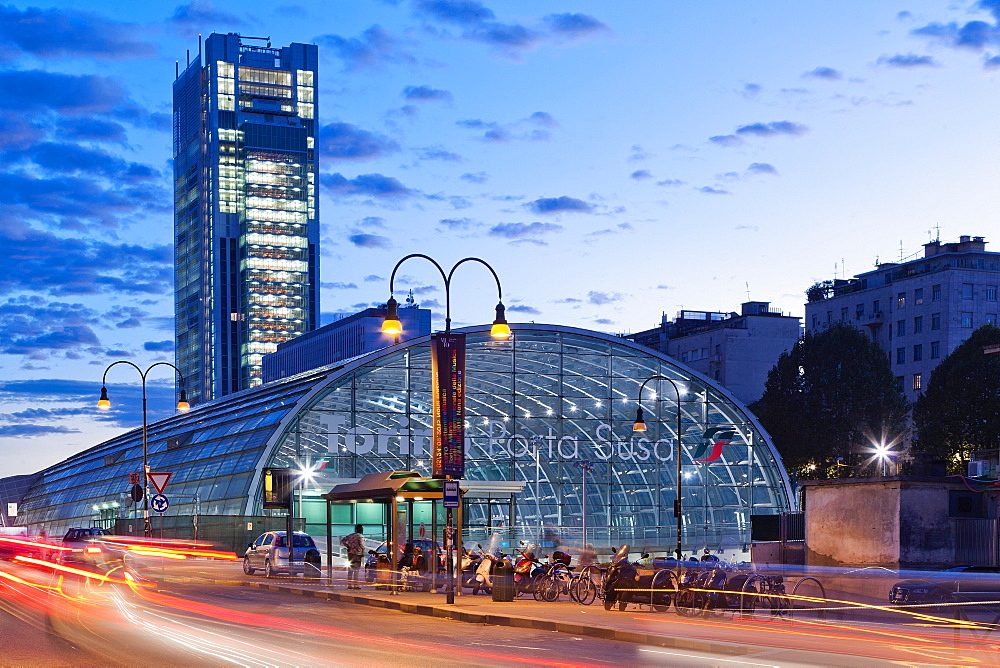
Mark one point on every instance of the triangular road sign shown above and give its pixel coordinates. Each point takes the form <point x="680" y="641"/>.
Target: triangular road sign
<point x="159" y="480"/>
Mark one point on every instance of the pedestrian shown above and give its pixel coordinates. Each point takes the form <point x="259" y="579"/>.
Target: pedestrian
<point x="355" y="545"/>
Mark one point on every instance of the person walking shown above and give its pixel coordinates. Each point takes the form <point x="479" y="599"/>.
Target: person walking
<point x="355" y="545"/>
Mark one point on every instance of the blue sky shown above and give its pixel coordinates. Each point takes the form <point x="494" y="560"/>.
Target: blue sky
<point x="612" y="162"/>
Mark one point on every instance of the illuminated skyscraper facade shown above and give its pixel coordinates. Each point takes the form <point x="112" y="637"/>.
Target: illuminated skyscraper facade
<point x="246" y="216"/>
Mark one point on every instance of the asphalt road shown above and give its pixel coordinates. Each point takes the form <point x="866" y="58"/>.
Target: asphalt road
<point x="54" y="622"/>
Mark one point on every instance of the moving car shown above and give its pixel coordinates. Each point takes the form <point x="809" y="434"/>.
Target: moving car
<point x="269" y="553"/>
<point x="958" y="584"/>
<point x="86" y="545"/>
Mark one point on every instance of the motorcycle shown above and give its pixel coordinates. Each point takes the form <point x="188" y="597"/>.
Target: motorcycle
<point x="528" y="570"/>
<point x="621" y="575"/>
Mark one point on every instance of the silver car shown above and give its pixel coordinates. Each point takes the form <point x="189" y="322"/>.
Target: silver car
<point x="269" y="553"/>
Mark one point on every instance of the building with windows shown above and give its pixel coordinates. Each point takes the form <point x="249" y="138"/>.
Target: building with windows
<point x="917" y="311"/>
<point x="350" y="335"/>
<point x="246" y="215"/>
<point x="537" y="405"/>
<point x="736" y="350"/>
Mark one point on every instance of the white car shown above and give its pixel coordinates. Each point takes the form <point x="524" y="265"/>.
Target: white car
<point x="269" y="553"/>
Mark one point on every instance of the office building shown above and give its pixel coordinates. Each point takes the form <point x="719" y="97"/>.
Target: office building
<point x="917" y="311"/>
<point x="246" y="217"/>
<point x="736" y="350"/>
<point x="349" y="336"/>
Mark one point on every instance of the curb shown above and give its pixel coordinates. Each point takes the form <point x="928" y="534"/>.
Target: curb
<point x="492" y="619"/>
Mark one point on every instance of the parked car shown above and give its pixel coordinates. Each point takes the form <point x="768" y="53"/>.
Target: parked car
<point x="269" y="554"/>
<point x="958" y="584"/>
<point x="86" y="545"/>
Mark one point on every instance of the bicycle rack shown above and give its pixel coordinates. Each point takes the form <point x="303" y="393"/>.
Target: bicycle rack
<point x="791" y="607"/>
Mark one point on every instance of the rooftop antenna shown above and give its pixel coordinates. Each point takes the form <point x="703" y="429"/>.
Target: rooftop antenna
<point x="938" y="228"/>
<point x="843" y="267"/>
<point x="748" y="290"/>
<point x="835" y="268"/>
<point x="876" y="262"/>
<point x="900" y="251"/>
<point x="188" y="57"/>
<point x="177" y="68"/>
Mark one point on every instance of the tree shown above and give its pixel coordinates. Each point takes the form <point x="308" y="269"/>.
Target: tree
<point x="960" y="410"/>
<point x="832" y="395"/>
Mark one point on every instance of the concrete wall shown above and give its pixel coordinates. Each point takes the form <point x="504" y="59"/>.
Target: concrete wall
<point x="926" y="535"/>
<point x="852" y="524"/>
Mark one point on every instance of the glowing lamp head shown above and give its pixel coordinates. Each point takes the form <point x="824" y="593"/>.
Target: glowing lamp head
<point x="500" y="328"/>
<point x="391" y="325"/>
<point x="640" y="423"/>
<point x="104" y="403"/>
<point x="182" y="403"/>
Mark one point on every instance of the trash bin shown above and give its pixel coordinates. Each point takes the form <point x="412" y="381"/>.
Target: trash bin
<point x="503" y="581"/>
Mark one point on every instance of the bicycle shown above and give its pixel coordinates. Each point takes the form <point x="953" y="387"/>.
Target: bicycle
<point x="588" y="585"/>
<point x="770" y="601"/>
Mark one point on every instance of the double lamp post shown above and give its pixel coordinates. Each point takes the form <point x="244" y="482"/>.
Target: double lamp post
<point x="104" y="403"/>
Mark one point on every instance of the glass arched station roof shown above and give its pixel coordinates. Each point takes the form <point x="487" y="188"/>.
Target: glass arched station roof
<point x="537" y="405"/>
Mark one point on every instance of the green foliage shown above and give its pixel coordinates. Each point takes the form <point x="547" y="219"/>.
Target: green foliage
<point x="817" y="292"/>
<point x="960" y="410"/>
<point x="832" y="395"/>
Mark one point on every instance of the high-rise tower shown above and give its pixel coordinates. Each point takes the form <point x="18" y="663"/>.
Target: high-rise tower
<point x="246" y="216"/>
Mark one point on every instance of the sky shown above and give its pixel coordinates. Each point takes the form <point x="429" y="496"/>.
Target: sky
<point x="613" y="162"/>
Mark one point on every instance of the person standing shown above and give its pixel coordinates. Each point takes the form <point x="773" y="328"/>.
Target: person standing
<point x="355" y="545"/>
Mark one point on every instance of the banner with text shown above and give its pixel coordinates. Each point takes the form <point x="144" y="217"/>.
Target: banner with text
<point x="448" y="390"/>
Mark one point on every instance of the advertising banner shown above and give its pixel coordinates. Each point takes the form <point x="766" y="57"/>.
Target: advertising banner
<point x="448" y="389"/>
<point x="278" y="489"/>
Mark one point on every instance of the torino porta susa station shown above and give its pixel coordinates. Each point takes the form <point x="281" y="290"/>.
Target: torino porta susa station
<point x="543" y="409"/>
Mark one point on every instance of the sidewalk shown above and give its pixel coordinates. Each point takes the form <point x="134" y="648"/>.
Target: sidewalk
<point x="726" y="635"/>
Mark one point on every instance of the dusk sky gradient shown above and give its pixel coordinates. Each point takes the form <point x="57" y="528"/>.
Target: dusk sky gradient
<point x="612" y="162"/>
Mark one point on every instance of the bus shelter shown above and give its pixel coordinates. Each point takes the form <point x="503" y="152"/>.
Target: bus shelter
<point x="397" y="492"/>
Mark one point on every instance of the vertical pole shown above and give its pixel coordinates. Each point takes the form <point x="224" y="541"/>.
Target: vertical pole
<point x="435" y="546"/>
<point x="329" y="542"/>
<point x="146" y="527"/>
<point x="290" y="530"/>
<point x="677" y="504"/>
<point x="390" y="545"/>
<point x="450" y="551"/>
<point x="460" y="526"/>
<point x="584" y="492"/>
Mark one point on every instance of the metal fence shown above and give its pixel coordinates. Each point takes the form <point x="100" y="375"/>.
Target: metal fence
<point x="977" y="541"/>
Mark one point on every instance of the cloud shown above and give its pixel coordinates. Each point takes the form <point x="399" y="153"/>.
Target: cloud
<point x="909" y="60"/>
<point x="200" y="12"/>
<point x="372" y="50"/>
<point x="709" y="190"/>
<point x="762" y="130"/>
<point x="670" y="182"/>
<point x="604" y="298"/>
<point x="474" y="177"/>
<point x="991" y="63"/>
<point x="438" y="153"/>
<point x="35" y="90"/>
<point x="761" y="168"/>
<point x="91" y="129"/>
<point x="73" y="158"/>
<point x="425" y="94"/>
<point x="336" y="285"/>
<point x="84" y="266"/>
<point x="549" y="205"/>
<point x="523" y="308"/>
<point x="461" y="12"/>
<point x="637" y="153"/>
<point x="459" y="223"/>
<point x="32" y="327"/>
<point x="974" y="35"/>
<point x="371" y="185"/>
<point x="522" y="230"/>
<point x="370" y="241"/>
<point x="641" y="175"/>
<point x="344" y="141"/>
<point x="158" y="346"/>
<point x="827" y="73"/>
<point x="69" y="33"/>
<point x="574" y="25"/>
<point x="604" y="321"/>
<point x="373" y="278"/>
<point x="532" y="128"/>
<point x="751" y="90"/>
<point x="33" y="430"/>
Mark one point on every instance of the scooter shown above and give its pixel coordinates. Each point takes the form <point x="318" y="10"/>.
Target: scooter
<point x="622" y="575"/>
<point x="527" y="571"/>
<point x="483" y="581"/>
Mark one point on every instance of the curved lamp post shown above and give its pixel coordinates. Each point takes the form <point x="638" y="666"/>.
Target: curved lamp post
<point x="499" y="330"/>
<point x="640" y="426"/>
<point x="392" y="325"/>
<point x="105" y="404"/>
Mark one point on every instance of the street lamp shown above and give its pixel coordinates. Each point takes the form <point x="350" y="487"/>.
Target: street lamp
<point x="104" y="403"/>
<point x="640" y="426"/>
<point x="392" y="325"/>
<point x="586" y="466"/>
<point x="500" y="330"/>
